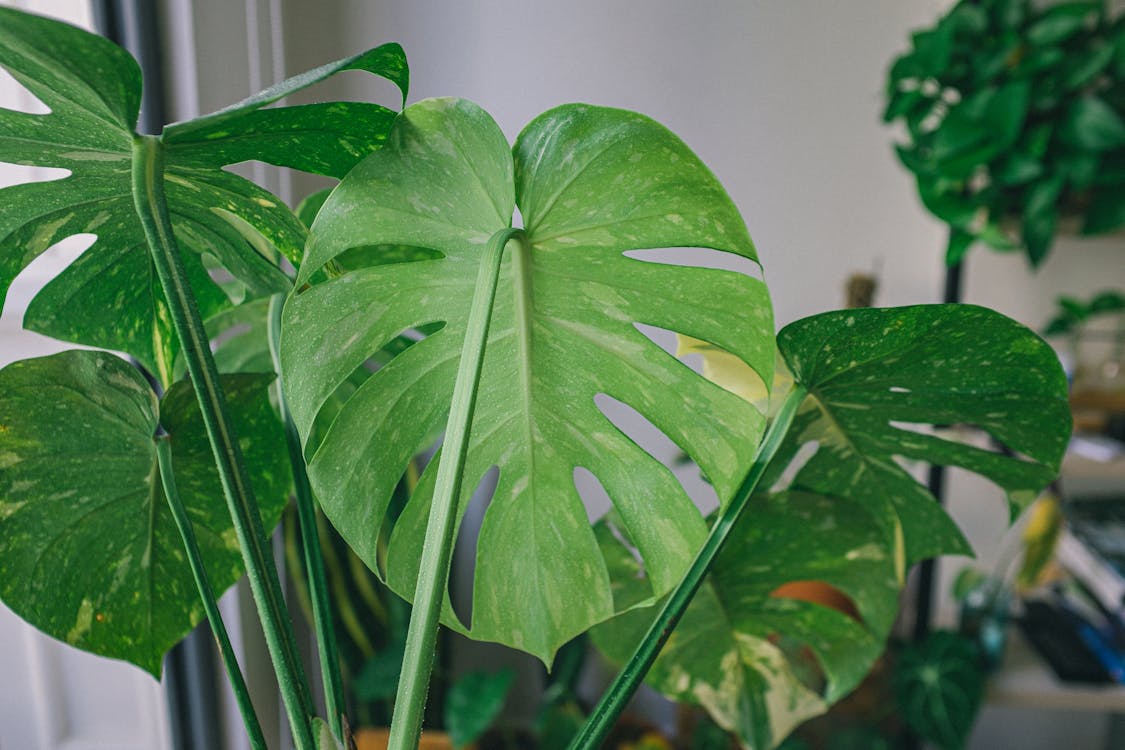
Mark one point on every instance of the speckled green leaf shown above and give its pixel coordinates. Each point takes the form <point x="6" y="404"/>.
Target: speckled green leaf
<point x="88" y="550"/>
<point x="110" y="297"/>
<point x="758" y="662"/>
<point x="591" y="184"/>
<point x="877" y="377"/>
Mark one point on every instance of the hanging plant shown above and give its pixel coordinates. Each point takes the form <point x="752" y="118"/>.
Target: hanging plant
<point x="1014" y="115"/>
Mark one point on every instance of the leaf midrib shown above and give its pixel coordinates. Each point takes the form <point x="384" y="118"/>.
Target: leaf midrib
<point x="522" y="311"/>
<point x="148" y="558"/>
<point x="835" y="425"/>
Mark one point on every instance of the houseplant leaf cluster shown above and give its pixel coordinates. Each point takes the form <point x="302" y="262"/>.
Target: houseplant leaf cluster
<point x="110" y="297"/>
<point x="1071" y="313"/>
<point x="423" y="318"/>
<point x="1014" y="121"/>
<point x="852" y="515"/>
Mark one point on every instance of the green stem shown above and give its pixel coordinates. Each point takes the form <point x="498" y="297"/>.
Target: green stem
<point x="613" y="702"/>
<point x="310" y="541"/>
<point x="207" y="594"/>
<point x="152" y="210"/>
<point x="433" y="575"/>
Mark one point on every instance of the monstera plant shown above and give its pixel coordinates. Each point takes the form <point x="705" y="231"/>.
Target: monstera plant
<point x="416" y="314"/>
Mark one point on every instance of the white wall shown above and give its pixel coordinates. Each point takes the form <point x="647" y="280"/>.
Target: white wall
<point x="781" y="99"/>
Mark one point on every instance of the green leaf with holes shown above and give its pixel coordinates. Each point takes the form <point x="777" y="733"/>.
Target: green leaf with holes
<point x="753" y="648"/>
<point x="110" y="297"/>
<point x="89" y="552"/>
<point x="877" y="378"/>
<point x="591" y="184"/>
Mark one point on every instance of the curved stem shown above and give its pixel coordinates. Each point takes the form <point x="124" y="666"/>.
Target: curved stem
<point x="207" y="595"/>
<point x="613" y="702"/>
<point x="433" y="575"/>
<point x="310" y="542"/>
<point x="152" y="210"/>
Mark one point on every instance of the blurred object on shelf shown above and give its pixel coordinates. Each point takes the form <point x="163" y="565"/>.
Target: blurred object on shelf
<point x="859" y="291"/>
<point x="1096" y="447"/>
<point x="1092" y="549"/>
<point x="1095" y="350"/>
<point x="984" y="619"/>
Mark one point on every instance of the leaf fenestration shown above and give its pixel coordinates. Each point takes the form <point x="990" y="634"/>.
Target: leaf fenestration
<point x="872" y="374"/>
<point x="757" y="659"/>
<point x="591" y="184"/>
<point x="109" y="297"/>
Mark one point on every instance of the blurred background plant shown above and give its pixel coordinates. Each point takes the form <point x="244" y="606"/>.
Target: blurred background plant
<point x="1013" y="119"/>
<point x="1094" y="330"/>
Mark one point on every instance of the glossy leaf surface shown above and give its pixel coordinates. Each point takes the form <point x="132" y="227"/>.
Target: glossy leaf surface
<point x="590" y="184"/>
<point x="759" y="659"/>
<point x="851" y="513"/>
<point x="89" y="552"/>
<point x="877" y="377"/>
<point x="109" y="297"/>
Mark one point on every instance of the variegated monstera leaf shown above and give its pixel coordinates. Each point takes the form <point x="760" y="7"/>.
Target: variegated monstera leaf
<point x="110" y="296"/>
<point x="590" y="184"/>
<point x="800" y="602"/>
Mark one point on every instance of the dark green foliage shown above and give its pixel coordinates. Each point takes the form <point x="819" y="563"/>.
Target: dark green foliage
<point x="939" y="684"/>
<point x="88" y="549"/>
<point x="1014" y="113"/>
<point x="1072" y="313"/>
<point x="473" y="703"/>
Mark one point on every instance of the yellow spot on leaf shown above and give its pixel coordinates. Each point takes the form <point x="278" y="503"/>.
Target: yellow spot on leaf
<point x="82" y="622"/>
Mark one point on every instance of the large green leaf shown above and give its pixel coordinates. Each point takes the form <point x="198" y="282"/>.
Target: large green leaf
<point x="851" y="513"/>
<point x="89" y="552"/>
<point x="1094" y="125"/>
<point x="590" y="183"/>
<point x="110" y="297"/>
<point x="758" y="660"/>
<point x="876" y="377"/>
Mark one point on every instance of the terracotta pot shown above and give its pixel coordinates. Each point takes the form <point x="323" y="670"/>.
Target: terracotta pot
<point x="816" y="592"/>
<point x="376" y="739"/>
